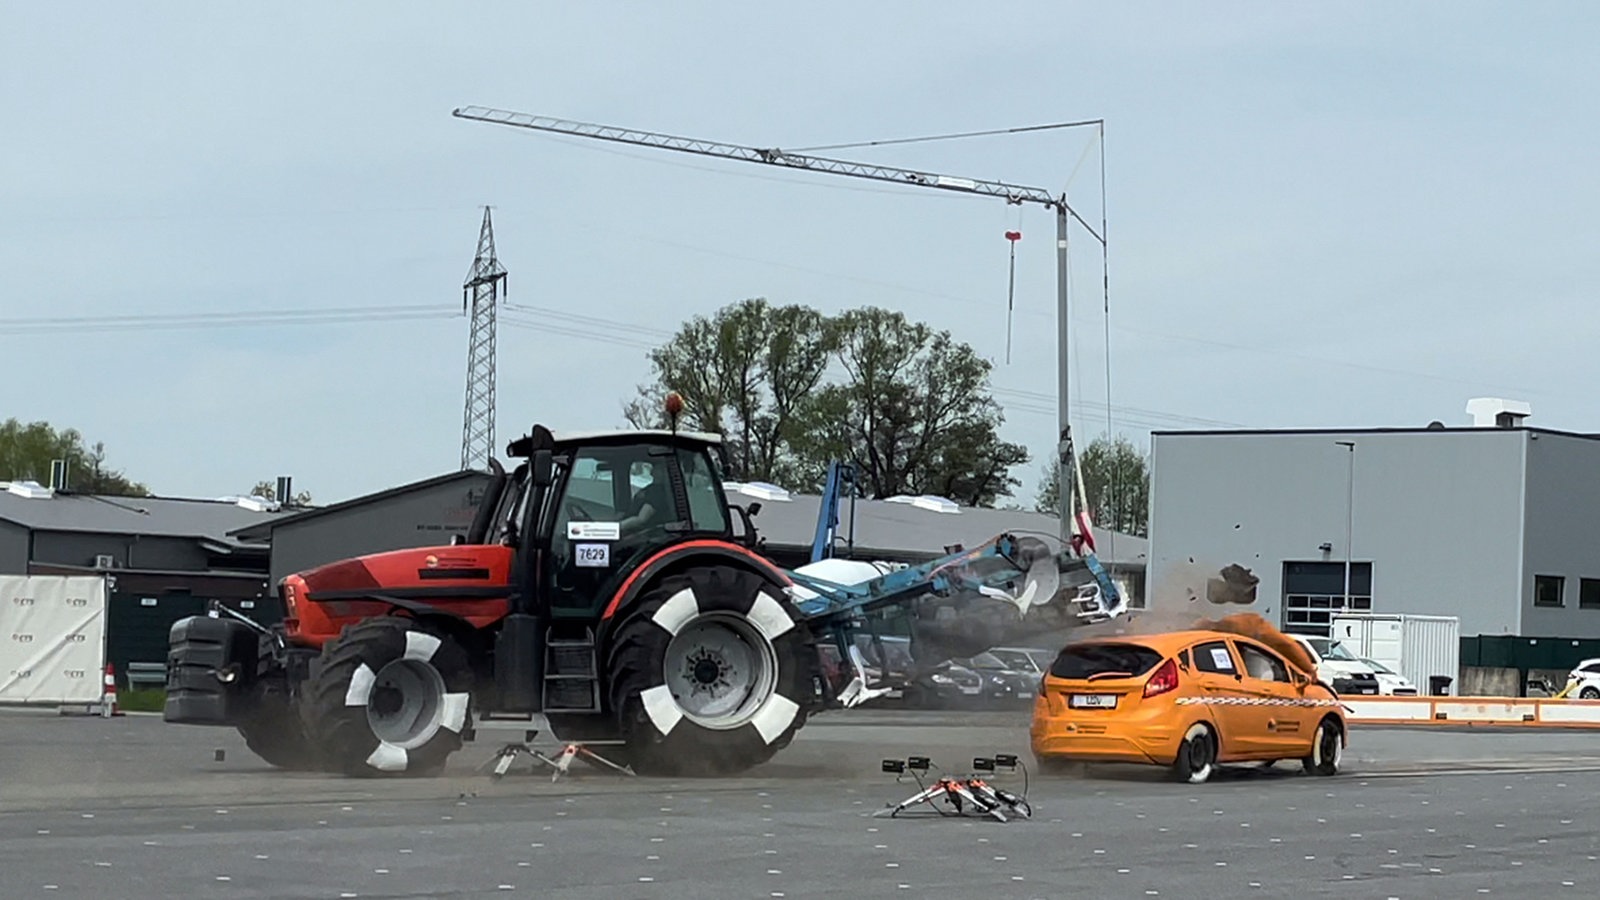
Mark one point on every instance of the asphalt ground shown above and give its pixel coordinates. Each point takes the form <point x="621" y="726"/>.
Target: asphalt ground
<point x="131" y="807"/>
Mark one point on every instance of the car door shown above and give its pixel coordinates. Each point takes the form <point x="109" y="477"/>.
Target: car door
<point x="1278" y="704"/>
<point x="1221" y="684"/>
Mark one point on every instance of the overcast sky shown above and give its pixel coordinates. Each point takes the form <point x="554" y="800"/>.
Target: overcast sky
<point x="1319" y="214"/>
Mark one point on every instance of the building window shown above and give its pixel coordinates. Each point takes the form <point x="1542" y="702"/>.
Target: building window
<point x="1548" y="590"/>
<point x="1314" y="592"/>
<point x="1589" y="593"/>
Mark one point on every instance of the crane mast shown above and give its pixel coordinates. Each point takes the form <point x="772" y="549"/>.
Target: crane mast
<point x="1014" y="194"/>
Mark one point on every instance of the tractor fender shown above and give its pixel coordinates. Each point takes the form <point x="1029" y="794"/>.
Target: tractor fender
<point x="679" y="557"/>
<point x="446" y="621"/>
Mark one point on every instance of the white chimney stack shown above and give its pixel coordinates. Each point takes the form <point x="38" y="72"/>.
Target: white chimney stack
<point x="1493" y="412"/>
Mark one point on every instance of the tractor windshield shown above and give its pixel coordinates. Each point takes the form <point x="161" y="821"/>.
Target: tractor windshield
<point x="708" y="511"/>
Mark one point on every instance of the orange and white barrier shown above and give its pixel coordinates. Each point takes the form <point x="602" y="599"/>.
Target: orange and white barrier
<point x="1520" y="711"/>
<point x="108" y="696"/>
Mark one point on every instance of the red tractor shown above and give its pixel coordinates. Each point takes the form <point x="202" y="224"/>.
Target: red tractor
<point x="603" y="585"/>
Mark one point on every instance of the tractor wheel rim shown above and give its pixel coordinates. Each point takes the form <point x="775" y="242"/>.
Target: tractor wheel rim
<point x="720" y="670"/>
<point x="406" y="707"/>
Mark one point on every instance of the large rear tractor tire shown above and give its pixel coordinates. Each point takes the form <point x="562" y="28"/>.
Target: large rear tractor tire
<point x="388" y="696"/>
<point x="710" y="674"/>
<point x="274" y="732"/>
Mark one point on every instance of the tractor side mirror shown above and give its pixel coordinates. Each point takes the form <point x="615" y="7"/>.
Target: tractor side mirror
<point x="543" y="468"/>
<point x="753" y="508"/>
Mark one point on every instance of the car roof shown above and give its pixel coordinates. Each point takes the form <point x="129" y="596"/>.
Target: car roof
<point x="1164" y="642"/>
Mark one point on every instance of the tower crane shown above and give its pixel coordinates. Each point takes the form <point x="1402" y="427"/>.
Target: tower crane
<point x="1014" y="194"/>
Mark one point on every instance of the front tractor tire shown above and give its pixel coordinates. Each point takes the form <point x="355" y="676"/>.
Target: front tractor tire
<point x="710" y="674"/>
<point x="388" y="696"/>
<point x="273" y="731"/>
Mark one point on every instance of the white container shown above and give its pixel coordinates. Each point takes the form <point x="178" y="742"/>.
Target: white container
<point x="1417" y="647"/>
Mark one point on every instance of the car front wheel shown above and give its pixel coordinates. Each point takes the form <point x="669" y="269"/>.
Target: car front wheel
<point x="1327" y="750"/>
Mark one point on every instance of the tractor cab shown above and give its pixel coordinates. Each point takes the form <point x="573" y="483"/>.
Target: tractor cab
<point x="599" y="505"/>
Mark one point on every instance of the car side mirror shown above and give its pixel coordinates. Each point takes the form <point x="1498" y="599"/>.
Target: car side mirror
<point x="543" y="468"/>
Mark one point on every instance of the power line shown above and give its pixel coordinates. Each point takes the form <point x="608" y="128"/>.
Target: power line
<point x="598" y="321"/>
<point x="90" y="324"/>
<point x="949" y="137"/>
<point x="600" y="337"/>
<point x="216" y="316"/>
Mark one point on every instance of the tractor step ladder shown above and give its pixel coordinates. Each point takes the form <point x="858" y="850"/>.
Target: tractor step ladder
<point x="571" y="672"/>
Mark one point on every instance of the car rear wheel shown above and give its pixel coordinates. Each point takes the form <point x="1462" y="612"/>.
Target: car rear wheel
<point x="1327" y="750"/>
<point x="1197" y="755"/>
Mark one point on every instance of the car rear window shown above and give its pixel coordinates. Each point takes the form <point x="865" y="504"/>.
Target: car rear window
<point x="1089" y="660"/>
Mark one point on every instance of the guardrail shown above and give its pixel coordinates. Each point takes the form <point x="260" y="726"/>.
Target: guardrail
<point x="1520" y="711"/>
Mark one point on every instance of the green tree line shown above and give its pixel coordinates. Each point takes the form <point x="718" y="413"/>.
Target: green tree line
<point x="791" y="389"/>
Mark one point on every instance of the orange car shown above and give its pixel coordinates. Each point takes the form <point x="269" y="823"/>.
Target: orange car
<point x="1191" y="700"/>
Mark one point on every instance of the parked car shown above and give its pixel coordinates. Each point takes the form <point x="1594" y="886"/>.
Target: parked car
<point x="1390" y="682"/>
<point x="1583" y="681"/>
<point x="1187" y="700"/>
<point x="1026" y="659"/>
<point x="948" y="686"/>
<point x="1003" y="684"/>
<point x="1338" y="667"/>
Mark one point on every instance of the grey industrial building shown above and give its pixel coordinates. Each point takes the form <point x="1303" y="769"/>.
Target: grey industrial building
<point x="431" y="511"/>
<point x="1496" y="524"/>
<point x="164" y="558"/>
<point x="420" y="514"/>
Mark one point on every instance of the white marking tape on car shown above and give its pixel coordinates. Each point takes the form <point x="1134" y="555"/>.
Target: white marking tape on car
<point x="1257" y="701"/>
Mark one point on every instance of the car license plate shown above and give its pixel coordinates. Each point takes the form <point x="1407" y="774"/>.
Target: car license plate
<point x="1093" y="701"/>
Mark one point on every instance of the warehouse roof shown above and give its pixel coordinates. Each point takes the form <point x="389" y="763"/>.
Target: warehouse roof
<point x="905" y="528"/>
<point x="260" y="530"/>
<point x="40" y="509"/>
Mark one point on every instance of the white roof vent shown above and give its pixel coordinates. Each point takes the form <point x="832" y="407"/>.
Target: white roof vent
<point x="32" y="490"/>
<point x="1493" y="412"/>
<point x="929" y="502"/>
<point x="252" y="503"/>
<point x="760" y="490"/>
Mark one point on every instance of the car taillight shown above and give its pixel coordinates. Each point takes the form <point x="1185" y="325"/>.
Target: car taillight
<point x="1164" y="679"/>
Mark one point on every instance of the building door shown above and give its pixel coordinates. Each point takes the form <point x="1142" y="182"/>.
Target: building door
<point x="1313" y="593"/>
<point x="138" y="625"/>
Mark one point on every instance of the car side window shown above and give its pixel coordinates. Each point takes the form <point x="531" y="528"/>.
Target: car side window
<point x="1591" y="668"/>
<point x="1214" y="657"/>
<point x="1260" y="664"/>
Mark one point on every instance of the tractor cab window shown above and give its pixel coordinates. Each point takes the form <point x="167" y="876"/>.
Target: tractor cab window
<point x="614" y="503"/>
<point x="708" y="511"/>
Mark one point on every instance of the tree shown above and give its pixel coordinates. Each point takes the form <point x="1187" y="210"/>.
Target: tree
<point x="27" y="451"/>
<point x="1116" y="477"/>
<point x="269" y="491"/>
<point x="743" y="373"/>
<point x="912" y="411"/>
